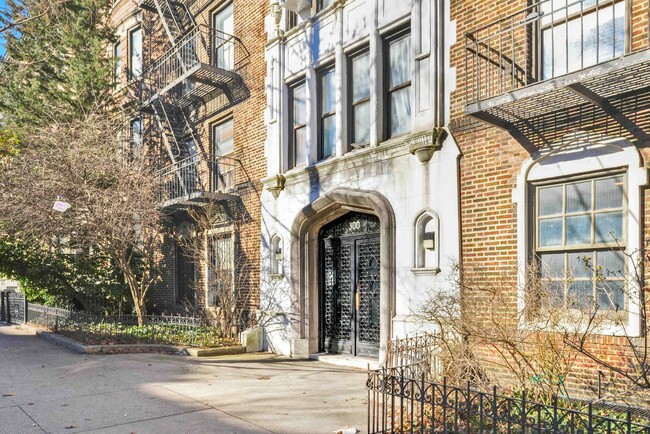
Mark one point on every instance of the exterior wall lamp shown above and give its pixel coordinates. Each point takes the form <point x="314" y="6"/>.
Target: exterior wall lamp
<point x="429" y="240"/>
<point x="278" y="186"/>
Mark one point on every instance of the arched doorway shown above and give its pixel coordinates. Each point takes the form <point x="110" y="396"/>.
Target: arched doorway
<point x="349" y="289"/>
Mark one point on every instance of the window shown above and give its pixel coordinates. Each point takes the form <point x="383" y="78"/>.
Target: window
<point x="224" y="26"/>
<point x="292" y="19"/>
<point x="580" y="241"/>
<point x="327" y="113"/>
<point x="117" y="59"/>
<point x="324" y="4"/>
<point x="136" y="134"/>
<point x="222" y="134"/>
<point x="135" y="53"/>
<point x="221" y="265"/>
<point x="276" y="255"/>
<point x="398" y="86"/>
<point x="578" y="34"/>
<point x="360" y="99"/>
<point x="298" y="125"/>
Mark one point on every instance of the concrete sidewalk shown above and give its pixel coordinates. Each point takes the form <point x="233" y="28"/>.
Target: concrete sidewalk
<point x="47" y="388"/>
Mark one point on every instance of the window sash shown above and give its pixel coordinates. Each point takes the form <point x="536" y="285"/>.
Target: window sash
<point x="359" y="92"/>
<point x="298" y="125"/>
<point x="223" y="136"/>
<point x="593" y="214"/>
<point x="398" y="83"/>
<point x="221" y="266"/>
<point x="566" y="31"/>
<point x="327" y="113"/>
<point x="135" y="53"/>
<point x="223" y="23"/>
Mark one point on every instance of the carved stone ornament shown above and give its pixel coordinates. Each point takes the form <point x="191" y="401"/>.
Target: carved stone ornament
<point x="424" y="145"/>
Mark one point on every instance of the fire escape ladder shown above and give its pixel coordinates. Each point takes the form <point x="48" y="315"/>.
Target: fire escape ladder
<point x="175" y="17"/>
<point x="170" y="138"/>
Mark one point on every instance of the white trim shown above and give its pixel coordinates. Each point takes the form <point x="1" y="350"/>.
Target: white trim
<point x="576" y="154"/>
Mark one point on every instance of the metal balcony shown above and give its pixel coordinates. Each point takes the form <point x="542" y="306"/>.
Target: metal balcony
<point x="197" y="181"/>
<point x="200" y="66"/>
<point x="560" y="66"/>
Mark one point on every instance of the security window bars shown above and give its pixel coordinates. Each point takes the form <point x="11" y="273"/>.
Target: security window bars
<point x="222" y="134"/>
<point x="298" y="125"/>
<point x="398" y="86"/>
<point x="136" y="134"/>
<point x="221" y="265"/>
<point x="360" y="98"/>
<point x="327" y="113"/>
<point x="135" y="53"/>
<point x="578" y="34"/>
<point x="224" y="25"/>
<point x="580" y="241"/>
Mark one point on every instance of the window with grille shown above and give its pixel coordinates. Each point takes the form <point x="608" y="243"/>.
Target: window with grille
<point x="221" y="268"/>
<point x="580" y="241"/>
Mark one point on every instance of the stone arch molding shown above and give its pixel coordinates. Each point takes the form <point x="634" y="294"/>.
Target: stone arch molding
<point x="305" y="258"/>
<point x="575" y="154"/>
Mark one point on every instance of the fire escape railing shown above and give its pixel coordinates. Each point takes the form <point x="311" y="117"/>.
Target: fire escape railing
<point x="545" y="40"/>
<point x="193" y="176"/>
<point x="220" y="54"/>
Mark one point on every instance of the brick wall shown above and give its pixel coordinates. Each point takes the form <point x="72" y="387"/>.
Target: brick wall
<point x="490" y="161"/>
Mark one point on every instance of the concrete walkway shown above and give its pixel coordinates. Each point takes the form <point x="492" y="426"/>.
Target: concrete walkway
<point x="47" y="388"/>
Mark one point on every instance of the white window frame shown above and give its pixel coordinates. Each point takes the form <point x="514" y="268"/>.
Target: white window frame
<point x="132" y="55"/>
<point x="579" y="155"/>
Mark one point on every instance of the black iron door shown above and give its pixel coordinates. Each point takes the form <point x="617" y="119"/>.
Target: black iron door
<point x="350" y="287"/>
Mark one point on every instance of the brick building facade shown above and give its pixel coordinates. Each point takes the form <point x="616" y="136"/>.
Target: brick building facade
<point x="191" y="76"/>
<point x="551" y="115"/>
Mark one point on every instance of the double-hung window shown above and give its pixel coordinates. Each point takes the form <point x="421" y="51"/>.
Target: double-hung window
<point x="224" y="26"/>
<point x="327" y="113"/>
<point x="298" y="125"/>
<point x="117" y="61"/>
<point x="578" y="34"/>
<point x="398" y="83"/>
<point x="135" y="53"/>
<point x="136" y="134"/>
<point x="580" y="241"/>
<point x="359" y="65"/>
<point x="223" y="174"/>
<point x="221" y="263"/>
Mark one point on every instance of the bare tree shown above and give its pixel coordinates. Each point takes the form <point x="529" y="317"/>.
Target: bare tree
<point x="216" y="246"/>
<point x="70" y="181"/>
<point x="485" y="333"/>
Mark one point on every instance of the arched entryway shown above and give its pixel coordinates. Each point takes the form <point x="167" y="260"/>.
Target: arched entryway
<point x="350" y="264"/>
<point x="306" y="273"/>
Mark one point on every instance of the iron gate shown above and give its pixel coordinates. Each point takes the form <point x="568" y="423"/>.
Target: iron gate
<point x="350" y="289"/>
<point x="13" y="307"/>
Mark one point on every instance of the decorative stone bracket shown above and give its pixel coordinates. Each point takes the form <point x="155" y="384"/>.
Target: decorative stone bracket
<point x="423" y="145"/>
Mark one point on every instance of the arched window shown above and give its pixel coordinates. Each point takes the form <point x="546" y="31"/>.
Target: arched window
<point x="427" y="242"/>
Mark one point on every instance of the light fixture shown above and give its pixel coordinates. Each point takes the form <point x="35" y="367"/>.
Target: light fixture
<point x="429" y="240"/>
<point x="278" y="187"/>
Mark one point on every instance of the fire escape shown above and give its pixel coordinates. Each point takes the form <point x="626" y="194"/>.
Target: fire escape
<point x="200" y="67"/>
<point x="553" y="68"/>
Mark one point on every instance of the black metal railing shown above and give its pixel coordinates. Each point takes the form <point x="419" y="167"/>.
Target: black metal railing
<point x="200" y="46"/>
<point x="124" y="329"/>
<point x="398" y="403"/>
<point x="547" y="39"/>
<point x="197" y="174"/>
<point x="13" y="307"/>
<point x="419" y="354"/>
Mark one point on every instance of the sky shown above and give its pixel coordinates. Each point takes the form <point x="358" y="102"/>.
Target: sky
<point x="2" y="47"/>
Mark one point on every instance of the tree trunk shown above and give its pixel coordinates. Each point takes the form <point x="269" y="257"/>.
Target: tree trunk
<point x="140" y="310"/>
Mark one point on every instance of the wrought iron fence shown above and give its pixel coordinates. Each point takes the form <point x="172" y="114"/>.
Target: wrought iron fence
<point x="115" y="329"/>
<point x="13" y="307"/>
<point x="197" y="174"/>
<point x="419" y="354"/>
<point x="398" y="403"/>
<point x="547" y="39"/>
<point x="221" y="52"/>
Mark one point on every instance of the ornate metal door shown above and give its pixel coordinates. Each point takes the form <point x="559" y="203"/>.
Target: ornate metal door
<point x="350" y="285"/>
